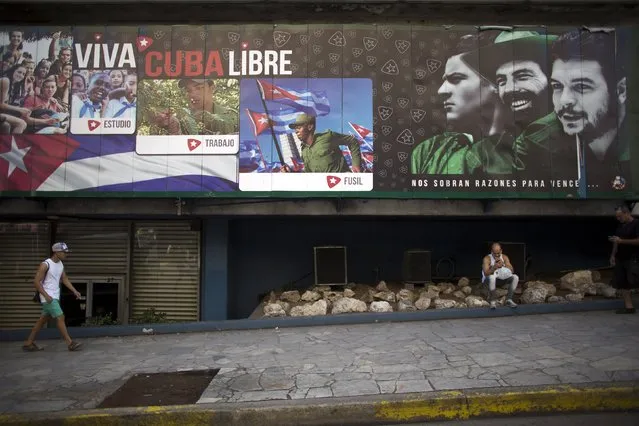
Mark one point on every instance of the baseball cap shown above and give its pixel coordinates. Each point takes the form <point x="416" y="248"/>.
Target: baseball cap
<point x="60" y="247"/>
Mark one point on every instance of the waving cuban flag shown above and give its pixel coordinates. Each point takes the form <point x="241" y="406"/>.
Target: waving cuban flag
<point x="365" y="138"/>
<point x="280" y="120"/>
<point x="364" y="135"/>
<point x="311" y="101"/>
<point x="251" y="157"/>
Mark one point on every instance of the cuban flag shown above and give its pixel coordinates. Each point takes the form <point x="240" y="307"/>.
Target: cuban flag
<point x="311" y="101"/>
<point x="279" y="120"/>
<point x="347" y="155"/>
<point x="364" y="135"/>
<point x="251" y="158"/>
<point x="106" y="163"/>
<point x="365" y="139"/>
<point x="367" y="161"/>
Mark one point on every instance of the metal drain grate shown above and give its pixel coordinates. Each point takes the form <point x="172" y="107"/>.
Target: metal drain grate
<point x="141" y="390"/>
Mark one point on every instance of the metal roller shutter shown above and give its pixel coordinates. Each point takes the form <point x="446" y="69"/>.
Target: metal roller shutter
<point x="166" y="270"/>
<point x="24" y="247"/>
<point x="98" y="247"/>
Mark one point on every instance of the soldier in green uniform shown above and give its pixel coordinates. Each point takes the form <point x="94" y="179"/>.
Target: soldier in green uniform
<point x="209" y="117"/>
<point x="473" y="111"/>
<point x="516" y="63"/>
<point x="203" y="116"/>
<point x="321" y="151"/>
<point x="586" y="135"/>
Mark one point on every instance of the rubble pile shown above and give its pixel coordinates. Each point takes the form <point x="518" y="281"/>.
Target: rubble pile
<point x="327" y="300"/>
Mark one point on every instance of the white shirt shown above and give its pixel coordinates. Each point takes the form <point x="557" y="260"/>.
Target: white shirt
<point x="115" y="105"/>
<point x="492" y="262"/>
<point x="51" y="281"/>
<point x="77" y="105"/>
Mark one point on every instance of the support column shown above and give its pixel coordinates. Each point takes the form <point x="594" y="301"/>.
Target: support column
<point x="214" y="294"/>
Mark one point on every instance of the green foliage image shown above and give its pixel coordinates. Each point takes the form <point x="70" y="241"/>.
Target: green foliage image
<point x="157" y="97"/>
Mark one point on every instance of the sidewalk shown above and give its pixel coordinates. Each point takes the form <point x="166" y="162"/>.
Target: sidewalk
<point x="335" y="361"/>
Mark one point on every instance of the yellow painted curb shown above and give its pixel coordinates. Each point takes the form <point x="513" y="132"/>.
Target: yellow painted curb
<point x="558" y="399"/>
<point x="376" y="409"/>
<point x="497" y="402"/>
<point x="444" y="406"/>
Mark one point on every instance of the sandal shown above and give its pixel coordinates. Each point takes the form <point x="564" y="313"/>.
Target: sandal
<point x="74" y="346"/>
<point x="31" y="348"/>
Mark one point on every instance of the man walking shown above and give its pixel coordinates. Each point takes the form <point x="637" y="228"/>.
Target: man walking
<point x="47" y="283"/>
<point x="625" y="257"/>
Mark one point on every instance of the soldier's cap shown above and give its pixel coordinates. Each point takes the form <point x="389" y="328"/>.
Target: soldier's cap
<point x="301" y="119"/>
<point x="60" y="246"/>
<point x="509" y="46"/>
<point x="182" y="82"/>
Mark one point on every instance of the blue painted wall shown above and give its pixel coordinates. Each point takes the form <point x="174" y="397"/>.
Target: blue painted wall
<point x="213" y="297"/>
<point x="269" y="253"/>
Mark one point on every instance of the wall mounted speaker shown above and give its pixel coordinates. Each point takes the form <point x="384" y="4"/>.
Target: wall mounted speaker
<point x="416" y="268"/>
<point x="330" y="265"/>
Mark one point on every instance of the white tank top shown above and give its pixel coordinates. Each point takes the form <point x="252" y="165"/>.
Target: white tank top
<point x="492" y="262"/>
<point x="51" y="281"/>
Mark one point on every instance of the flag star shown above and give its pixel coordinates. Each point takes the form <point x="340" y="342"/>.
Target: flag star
<point x="193" y="143"/>
<point x="262" y="120"/>
<point x="15" y="157"/>
<point x="143" y="42"/>
<point x="333" y="180"/>
<point x="276" y="92"/>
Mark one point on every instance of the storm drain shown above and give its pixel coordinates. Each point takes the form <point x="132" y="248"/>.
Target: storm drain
<point x="181" y="387"/>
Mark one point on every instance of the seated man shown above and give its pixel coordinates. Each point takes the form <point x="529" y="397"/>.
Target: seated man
<point x="497" y="267"/>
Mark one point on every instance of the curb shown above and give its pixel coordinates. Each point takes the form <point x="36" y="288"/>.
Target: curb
<point x="377" y="409"/>
<point x="13" y="335"/>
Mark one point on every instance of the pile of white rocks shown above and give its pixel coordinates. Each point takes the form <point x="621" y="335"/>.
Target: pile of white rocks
<point x="578" y="284"/>
<point x="324" y="300"/>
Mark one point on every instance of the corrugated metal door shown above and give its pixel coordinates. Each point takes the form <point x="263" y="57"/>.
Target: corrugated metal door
<point x="98" y="247"/>
<point x="24" y="247"/>
<point x="166" y="270"/>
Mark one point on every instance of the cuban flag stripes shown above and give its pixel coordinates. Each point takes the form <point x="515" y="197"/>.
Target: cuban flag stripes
<point x="312" y="102"/>
<point x="251" y="157"/>
<point x="347" y="155"/>
<point x="279" y="120"/>
<point x="106" y="163"/>
<point x="365" y="138"/>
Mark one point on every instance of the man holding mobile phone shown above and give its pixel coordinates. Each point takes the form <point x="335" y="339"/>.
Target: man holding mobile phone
<point x="497" y="267"/>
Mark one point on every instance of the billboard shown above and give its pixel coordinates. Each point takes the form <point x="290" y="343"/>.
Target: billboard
<point x="352" y="110"/>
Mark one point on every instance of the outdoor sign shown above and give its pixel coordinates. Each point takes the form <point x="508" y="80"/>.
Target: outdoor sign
<point x="411" y="110"/>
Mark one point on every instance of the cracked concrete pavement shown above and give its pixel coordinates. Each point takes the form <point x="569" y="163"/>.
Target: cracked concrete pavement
<point x="333" y="361"/>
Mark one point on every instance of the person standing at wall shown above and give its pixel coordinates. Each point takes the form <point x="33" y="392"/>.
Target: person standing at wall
<point x="47" y="283"/>
<point x="625" y="257"/>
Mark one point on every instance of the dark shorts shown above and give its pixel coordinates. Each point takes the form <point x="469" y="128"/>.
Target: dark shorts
<point x="626" y="274"/>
